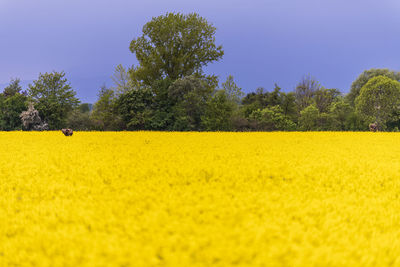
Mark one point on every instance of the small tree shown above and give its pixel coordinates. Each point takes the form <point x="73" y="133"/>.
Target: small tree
<point x="53" y="97"/>
<point x="378" y="100"/>
<point x="32" y="121"/>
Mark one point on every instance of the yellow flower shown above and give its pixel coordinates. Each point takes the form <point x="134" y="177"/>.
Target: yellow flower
<point x="199" y="199"/>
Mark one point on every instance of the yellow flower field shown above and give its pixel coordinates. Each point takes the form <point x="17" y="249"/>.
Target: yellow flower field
<point x="199" y="199"/>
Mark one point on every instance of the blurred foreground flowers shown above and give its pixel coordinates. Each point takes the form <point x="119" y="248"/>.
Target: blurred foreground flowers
<point x="199" y="199"/>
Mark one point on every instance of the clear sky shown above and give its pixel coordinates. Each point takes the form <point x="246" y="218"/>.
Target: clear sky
<point x="265" y="41"/>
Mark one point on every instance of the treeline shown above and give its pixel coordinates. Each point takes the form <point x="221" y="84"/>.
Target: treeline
<point x="168" y="91"/>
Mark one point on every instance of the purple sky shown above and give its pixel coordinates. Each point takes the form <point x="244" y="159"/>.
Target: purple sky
<point x="265" y="41"/>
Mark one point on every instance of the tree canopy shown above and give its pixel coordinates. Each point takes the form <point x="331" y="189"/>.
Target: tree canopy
<point x="365" y="77"/>
<point x="378" y="99"/>
<point x="53" y="97"/>
<point x="174" y="46"/>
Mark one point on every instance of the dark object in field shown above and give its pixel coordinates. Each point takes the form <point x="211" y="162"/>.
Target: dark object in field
<point x="373" y="127"/>
<point x="67" y="132"/>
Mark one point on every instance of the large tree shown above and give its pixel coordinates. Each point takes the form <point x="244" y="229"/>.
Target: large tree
<point x="53" y="97"/>
<point x="365" y="77"/>
<point x="174" y="46"/>
<point x="379" y="98"/>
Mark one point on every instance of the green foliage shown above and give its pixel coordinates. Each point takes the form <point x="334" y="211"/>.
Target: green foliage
<point x="288" y="105"/>
<point x="190" y="96"/>
<point x="2" y="116"/>
<point x="260" y="100"/>
<point x="365" y="77"/>
<point x="79" y="120"/>
<point x="13" y="88"/>
<point x="309" y="116"/>
<point x="223" y="108"/>
<point x="12" y="108"/>
<point x="272" y="119"/>
<point x="378" y="99"/>
<point x="218" y="113"/>
<point x="122" y="81"/>
<point x="174" y="46"/>
<point x="339" y="113"/>
<point x="104" y="115"/>
<point x="233" y="92"/>
<point x="162" y="105"/>
<point x="305" y="91"/>
<point x="85" y="107"/>
<point x="134" y="107"/>
<point x="54" y="98"/>
<point x="394" y="121"/>
<point x="355" y="122"/>
<point x="323" y="98"/>
<point x="12" y="102"/>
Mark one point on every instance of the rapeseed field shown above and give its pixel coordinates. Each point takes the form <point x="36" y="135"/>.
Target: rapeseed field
<point x="199" y="199"/>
